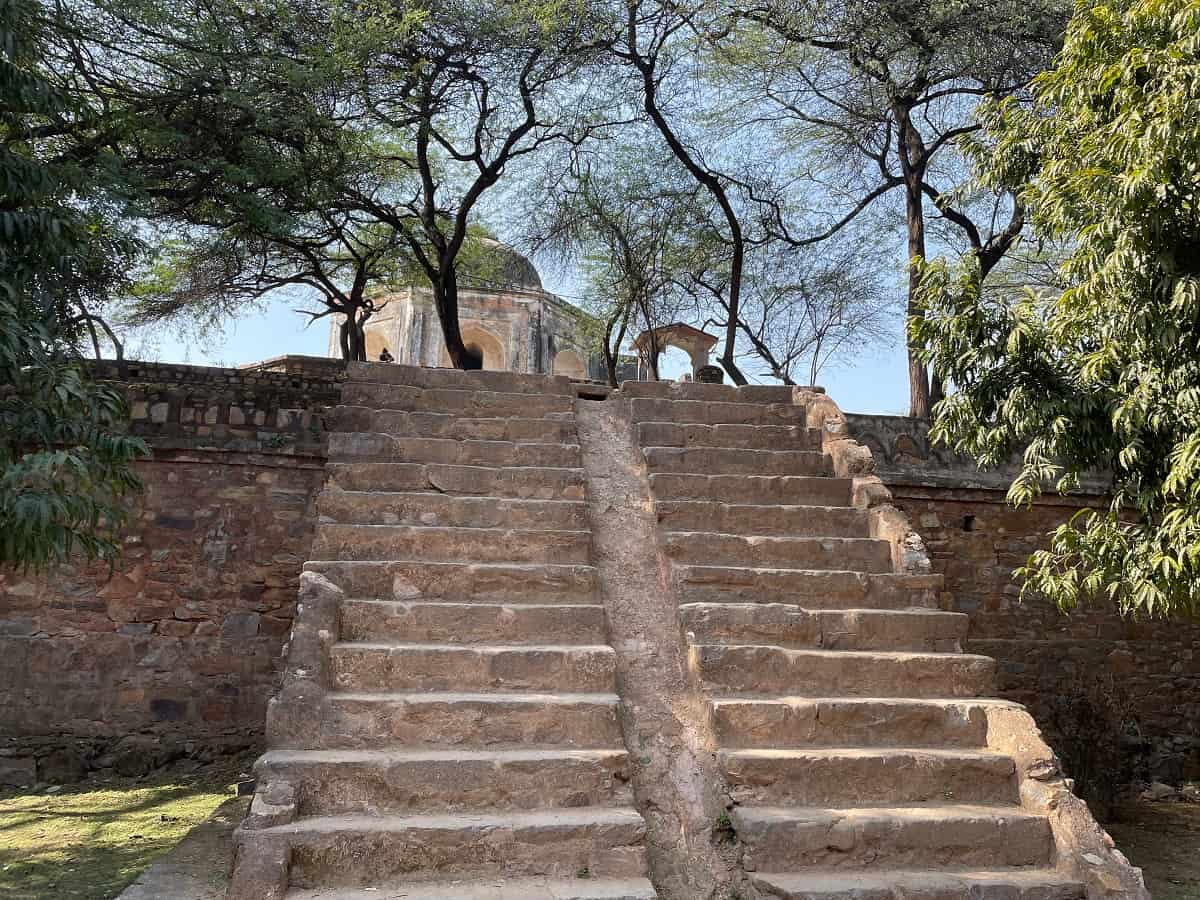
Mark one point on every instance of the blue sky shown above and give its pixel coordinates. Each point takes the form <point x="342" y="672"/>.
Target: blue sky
<point x="876" y="383"/>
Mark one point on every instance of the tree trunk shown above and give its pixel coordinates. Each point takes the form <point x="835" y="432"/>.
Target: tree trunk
<point x="913" y="162"/>
<point x="445" y="300"/>
<point x="918" y="375"/>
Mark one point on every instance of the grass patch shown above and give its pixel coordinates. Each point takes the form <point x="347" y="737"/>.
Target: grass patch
<point x="88" y="841"/>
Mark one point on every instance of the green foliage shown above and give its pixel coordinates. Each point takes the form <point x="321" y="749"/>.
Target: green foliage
<point x="1103" y="376"/>
<point x="65" y="462"/>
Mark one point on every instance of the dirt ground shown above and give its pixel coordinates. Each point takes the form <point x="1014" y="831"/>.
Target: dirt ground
<point x="87" y="841"/>
<point x="1164" y="840"/>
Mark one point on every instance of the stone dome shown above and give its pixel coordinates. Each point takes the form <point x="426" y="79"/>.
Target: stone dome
<point x="509" y="268"/>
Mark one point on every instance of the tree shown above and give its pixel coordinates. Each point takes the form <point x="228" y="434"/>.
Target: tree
<point x="807" y="311"/>
<point x="1103" y="376"/>
<point x="877" y="92"/>
<point x="625" y="219"/>
<point x="469" y="90"/>
<point x="342" y="262"/>
<point x="656" y="40"/>
<point x="65" y="461"/>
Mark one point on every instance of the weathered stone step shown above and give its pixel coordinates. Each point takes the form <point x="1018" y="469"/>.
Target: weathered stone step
<point x="764" y="551"/>
<point x="698" y="412"/>
<point x="471" y="623"/>
<point x="810" y="588"/>
<point x="745" y="437"/>
<point x="334" y="541"/>
<point x="363" y="666"/>
<point x="696" y="390"/>
<point x="433" y="719"/>
<point x="402" y="851"/>
<point x="737" y="462"/>
<point x="462" y="401"/>
<point x="558" y="429"/>
<point x="788" y="625"/>
<point x="807" y="490"/>
<point x="767" y="722"/>
<point x="935" y="836"/>
<point x="429" y="377"/>
<point x="372" y="446"/>
<point x="429" y="508"/>
<point x="1012" y="884"/>
<point x="341" y="782"/>
<point x="765" y="519"/>
<point x="460" y="582"/>
<point x="868" y="776"/>
<point x="761" y="669"/>
<point x="476" y="481"/>
<point x="505" y="889"/>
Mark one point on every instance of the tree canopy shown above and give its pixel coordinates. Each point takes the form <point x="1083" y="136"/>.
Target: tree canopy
<point x="1102" y="376"/>
<point x="65" y="459"/>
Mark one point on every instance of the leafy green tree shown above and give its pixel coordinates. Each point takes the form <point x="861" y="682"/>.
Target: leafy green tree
<point x="65" y="460"/>
<point x="1104" y="375"/>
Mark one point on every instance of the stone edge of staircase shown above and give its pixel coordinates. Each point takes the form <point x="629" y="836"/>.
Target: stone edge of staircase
<point x="260" y="864"/>
<point x="1083" y="849"/>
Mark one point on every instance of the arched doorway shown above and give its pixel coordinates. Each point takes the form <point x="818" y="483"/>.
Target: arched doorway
<point x="569" y="363"/>
<point x="486" y="344"/>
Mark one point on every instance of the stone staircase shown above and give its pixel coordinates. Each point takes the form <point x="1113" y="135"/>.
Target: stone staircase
<point x="448" y="727"/>
<point x="851" y="739"/>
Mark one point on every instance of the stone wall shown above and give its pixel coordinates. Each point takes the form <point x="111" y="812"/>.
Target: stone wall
<point x="1151" y="669"/>
<point x="176" y="651"/>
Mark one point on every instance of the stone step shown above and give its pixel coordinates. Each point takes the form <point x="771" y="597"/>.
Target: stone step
<point x="402" y="851"/>
<point x="808" y="490"/>
<point x="378" y="666"/>
<point x="381" y="782"/>
<point x="813" y="589"/>
<point x="1004" y="884"/>
<point x="767" y="722"/>
<point x="936" y="836"/>
<point x="840" y="554"/>
<point x="704" y="460"/>
<point x="438" y="719"/>
<point x="529" y="482"/>
<point x="788" y="625"/>
<point x="575" y="888"/>
<point x="429" y="508"/>
<point x="460" y="401"/>
<point x="868" y="776"/>
<point x="761" y="518"/>
<point x="697" y="390"/>
<point x="471" y="623"/>
<point x="373" y="446"/>
<point x="699" y="412"/>
<point x="460" y="582"/>
<point x="430" y="377"/>
<point x="761" y="669"/>
<point x="364" y="542"/>
<point x="559" y="429"/>
<point x="742" y="437"/>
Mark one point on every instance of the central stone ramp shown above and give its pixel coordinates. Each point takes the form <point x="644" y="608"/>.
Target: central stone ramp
<point x="852" y="739"/>
<point x="466" y="744"/>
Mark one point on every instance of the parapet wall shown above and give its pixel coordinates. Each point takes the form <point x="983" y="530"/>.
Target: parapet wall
<point x="976" y="540"/>
<point x="177" y="650"/>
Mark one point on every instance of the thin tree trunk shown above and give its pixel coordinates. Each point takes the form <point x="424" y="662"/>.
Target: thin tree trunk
<point x="912" y="162"/>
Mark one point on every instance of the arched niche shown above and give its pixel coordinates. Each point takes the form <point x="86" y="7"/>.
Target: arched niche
<point x="484" y="343"/>
<point x="569" y="363"/>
